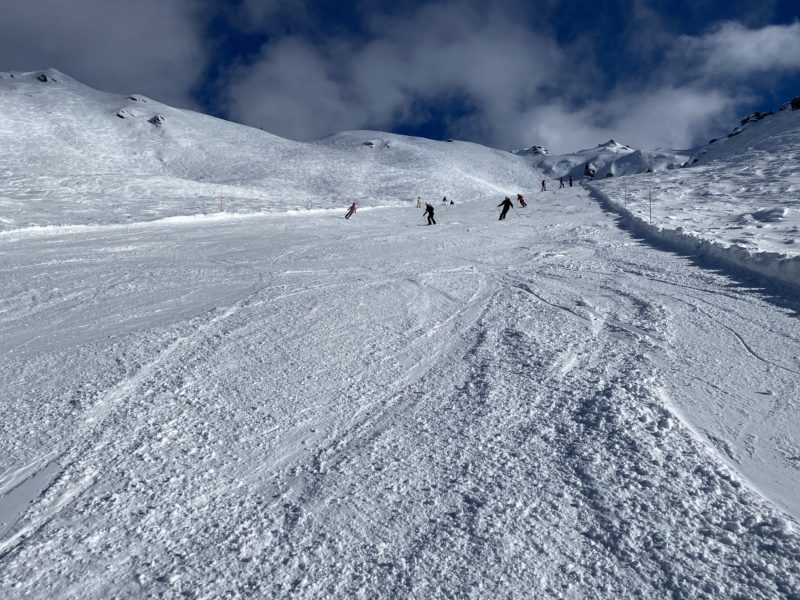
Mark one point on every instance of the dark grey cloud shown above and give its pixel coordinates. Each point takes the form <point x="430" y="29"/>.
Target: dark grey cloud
<point x="152" y="47"/>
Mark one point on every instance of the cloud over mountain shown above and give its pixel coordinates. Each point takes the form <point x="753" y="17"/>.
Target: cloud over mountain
<point x="513" y="74"/>
<point x="146" y="46"/>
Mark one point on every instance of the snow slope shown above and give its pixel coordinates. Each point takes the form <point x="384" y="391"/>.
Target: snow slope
<point x="282" y="403"/>
<point x="308" y="407"/>
<point x="68" y="157"/>
<point x="738" y="202"/>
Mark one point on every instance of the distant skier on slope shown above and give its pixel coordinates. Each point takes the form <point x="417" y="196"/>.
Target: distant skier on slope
<point x="419" y="202"/>
<point x="444" y="200"/>
<point x="521" y="200"/>
<point x="351" y="211"/>
<point x="506" y="204"/>
<point x="429" y="214"/>
<point x="544" y="186"/>
<point x="570" y="181"/>
<point x="560" y="182"/>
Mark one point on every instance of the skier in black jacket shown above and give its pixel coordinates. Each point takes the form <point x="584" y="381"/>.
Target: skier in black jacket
<point x="429" y="214"/>
<point x="506" y="204"/>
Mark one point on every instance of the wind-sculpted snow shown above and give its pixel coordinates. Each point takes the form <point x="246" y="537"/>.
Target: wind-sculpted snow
<point x="738" y="204"/>
<point x="303" y="406"/>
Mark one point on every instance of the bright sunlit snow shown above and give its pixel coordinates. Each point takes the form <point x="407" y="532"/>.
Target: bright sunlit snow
<point x="213" y="385"/>
<point x="739" y="202"/>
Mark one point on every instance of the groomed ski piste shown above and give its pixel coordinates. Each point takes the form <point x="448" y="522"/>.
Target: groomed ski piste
<point x="213" y="385"/>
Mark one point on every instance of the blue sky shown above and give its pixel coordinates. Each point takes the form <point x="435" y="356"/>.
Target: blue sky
<point x="509" y="73"/>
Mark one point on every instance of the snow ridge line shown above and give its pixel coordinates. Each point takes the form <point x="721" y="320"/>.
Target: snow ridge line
<point x="777" y="268"/>
<point x="719" y="449"/>
<point x="187" y="219"/>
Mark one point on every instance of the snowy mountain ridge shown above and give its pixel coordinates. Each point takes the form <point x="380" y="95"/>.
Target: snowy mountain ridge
<point x="61" y="138"/>
<point x="762" y="131"/>
<point x="609" y="159"/>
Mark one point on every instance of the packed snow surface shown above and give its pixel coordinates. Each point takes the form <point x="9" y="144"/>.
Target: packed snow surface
<point x="262" y="399"/>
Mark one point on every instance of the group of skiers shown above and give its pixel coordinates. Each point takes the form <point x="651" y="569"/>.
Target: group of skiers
<point x="560" y="183"/>
<point x="505" y="204"/>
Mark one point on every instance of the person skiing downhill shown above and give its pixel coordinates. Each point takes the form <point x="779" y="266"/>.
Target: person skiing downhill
<point x="506" y="204"/>
<point x="544" y="186"/>
<point x="444" y="200"/>
<point x="429" y="214"/>
<point x="419" y="202"/>
<point x="560" y="182"/>
<point x="521" y="200"/>
<point x="570" y="181"/>
<point x="351" y="211"/>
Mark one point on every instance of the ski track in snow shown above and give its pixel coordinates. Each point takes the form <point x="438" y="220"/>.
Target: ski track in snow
<point x="279" y="407"/>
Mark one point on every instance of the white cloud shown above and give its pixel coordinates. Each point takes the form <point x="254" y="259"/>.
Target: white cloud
<point x="668" y="117"/>
<point x="733" y="51"/>
<point x="522" y="86"/>
<point x="147" y="46"/>
<point x="445" y="49"/>
<point x="292" y="92"/>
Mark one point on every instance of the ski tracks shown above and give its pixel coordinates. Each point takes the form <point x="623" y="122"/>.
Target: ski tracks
<point x="102" y="426"/>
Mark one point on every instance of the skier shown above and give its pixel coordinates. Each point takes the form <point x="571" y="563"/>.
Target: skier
<point x="451" y="203"/>
<point x="570" y="181"/>
<point x="429" y="214"/>
<point x="419" y="202"/>
<point x="506" y="204"/>
<point x="560" y="182"/>
<point x="444" y="200"/>
<point x="521" y="200"/>
<point x="351" y="211"/>
<point x="544" y="186"/>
